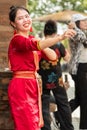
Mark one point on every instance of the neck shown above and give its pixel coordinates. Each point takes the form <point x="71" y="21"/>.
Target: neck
<point x="25" y="34"/>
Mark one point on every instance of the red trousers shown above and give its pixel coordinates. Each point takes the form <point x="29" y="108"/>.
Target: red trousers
<point x="23" y="99"/>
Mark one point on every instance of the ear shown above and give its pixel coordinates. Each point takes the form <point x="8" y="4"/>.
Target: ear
<point x="13" y="24"/>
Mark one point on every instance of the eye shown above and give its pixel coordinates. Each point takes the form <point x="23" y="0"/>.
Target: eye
<point x="27" y="16"/>
<point x="19" y="18"/>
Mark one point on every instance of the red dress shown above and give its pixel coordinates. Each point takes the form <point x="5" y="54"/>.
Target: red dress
<point x="23" y="92"/>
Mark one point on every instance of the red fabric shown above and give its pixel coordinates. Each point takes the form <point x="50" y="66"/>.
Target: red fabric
<point x="20" y="53"/>
<point x="23" y="98"/>
<point x="41" y="122"/>
<point x="23" y="92"/>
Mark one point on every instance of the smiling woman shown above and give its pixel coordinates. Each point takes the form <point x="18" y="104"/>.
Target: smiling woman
<point x="23" y="91"/>
<point x="22" y="21"/>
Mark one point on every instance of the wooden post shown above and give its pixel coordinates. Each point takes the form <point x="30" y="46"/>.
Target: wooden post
<point x="6" y="33"/>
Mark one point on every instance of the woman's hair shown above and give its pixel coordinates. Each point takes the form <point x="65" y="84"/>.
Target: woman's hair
<point x="13" y="12"/>
<point x="77" y="24"/>
<point x="50" y="27"/>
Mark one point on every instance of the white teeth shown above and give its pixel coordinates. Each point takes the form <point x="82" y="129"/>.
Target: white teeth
<point x="26" y="24"/>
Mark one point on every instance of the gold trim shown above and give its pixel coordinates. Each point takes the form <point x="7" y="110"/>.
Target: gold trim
<point x="38" y="45"/>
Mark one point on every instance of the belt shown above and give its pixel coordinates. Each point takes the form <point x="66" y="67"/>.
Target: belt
<point x="24" y="74"/>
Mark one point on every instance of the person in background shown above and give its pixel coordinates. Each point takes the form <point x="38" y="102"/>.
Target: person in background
<point x="77" y="65"/>
<point x="52" y="81"/>
<point x="24" y="53"/>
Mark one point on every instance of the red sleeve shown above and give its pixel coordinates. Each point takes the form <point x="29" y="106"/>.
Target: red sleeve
<point x="21" y="43"/>
<point x="44" y="56"/>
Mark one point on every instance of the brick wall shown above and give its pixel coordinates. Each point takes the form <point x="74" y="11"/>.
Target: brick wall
<point x="6" y="122"/>
<point x="6" y="30"/>
<point x="6" y="33"/>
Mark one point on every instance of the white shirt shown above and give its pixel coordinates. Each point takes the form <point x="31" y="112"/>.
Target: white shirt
<point x="83" y="56"/>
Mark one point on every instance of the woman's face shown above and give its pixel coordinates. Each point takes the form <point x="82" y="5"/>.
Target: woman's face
<point x="23" y="21"/>
<point x="83" y="24"/>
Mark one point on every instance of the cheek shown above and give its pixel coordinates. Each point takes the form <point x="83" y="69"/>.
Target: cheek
<point x="30" y="21"/>
<point x="86" y="27"/>
<point x="18" y="24"/>
<point x="82" y="26"/>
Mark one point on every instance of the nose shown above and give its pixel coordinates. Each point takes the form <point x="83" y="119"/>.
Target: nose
<point x="30" y="20"/>
<point x="25" y="19"/>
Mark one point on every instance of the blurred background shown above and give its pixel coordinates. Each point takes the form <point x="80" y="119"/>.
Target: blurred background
<point x="40" y="11"/>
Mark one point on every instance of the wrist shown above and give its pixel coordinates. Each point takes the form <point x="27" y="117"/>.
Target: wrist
<point x="61" y="37"/>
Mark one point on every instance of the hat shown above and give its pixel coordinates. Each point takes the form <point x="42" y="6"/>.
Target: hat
<point x="78" y="17"/>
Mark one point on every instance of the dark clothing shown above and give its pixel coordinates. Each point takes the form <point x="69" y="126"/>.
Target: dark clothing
<point x="82" y="93"/>
<point x="63" y="114"/>
<point x="74" y="103"/>
<point x="51" y="71"/>
<point x="46" y="112"/>
<point x="52" y="81"/>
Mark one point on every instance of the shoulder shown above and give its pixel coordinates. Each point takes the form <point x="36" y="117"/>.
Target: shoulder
<point x="16" y="36"/>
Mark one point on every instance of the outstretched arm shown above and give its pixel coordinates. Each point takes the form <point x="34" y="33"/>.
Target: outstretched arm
<point x="51" y="41"/>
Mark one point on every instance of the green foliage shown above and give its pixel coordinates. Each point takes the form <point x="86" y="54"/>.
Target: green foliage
<point x="38" y="8"/>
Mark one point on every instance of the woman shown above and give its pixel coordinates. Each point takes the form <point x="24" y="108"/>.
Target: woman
<point x="23" y="89"/>
<point x="78" y="65"/>
<point x="82" y="78"/>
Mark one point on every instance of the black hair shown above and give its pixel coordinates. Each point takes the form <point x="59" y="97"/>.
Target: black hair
<point x="50" y="27"/>
<point x="13" y="11"/>
<point x="77" y="24"/>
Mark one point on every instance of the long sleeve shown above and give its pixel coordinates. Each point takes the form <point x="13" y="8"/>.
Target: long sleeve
<point x="80" y="37"/>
